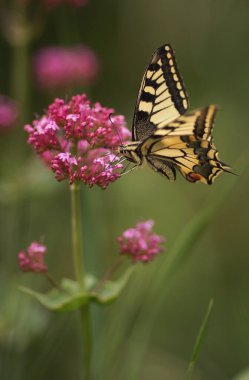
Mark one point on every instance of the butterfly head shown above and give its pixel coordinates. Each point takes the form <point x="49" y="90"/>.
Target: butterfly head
<point x="131" y="152"/>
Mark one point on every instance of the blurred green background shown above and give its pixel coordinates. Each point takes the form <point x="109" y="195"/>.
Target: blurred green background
<point x="140" y="337"/>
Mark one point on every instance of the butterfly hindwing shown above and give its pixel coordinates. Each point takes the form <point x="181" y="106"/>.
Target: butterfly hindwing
<point x="198" y="123"/>
<point x="204" y="122"/>
<point x="187" y="144"/>
<point x="162" y="167"/>
<point x="162" y="97"/>
<point x="208" y="165"/>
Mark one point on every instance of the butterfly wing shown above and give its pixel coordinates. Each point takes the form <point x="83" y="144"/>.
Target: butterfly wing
<point x="163" y="167"/>
<point x="198" y="123"/>
<point x="162" y="97"/>
<point x="186" y="143"/>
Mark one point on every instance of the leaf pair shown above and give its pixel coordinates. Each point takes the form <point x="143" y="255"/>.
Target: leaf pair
<point x="70" y="297"/>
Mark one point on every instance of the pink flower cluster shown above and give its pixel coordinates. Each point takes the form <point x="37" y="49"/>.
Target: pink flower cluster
<point x="140" y="243"/>
<point x="61" y="67"/>
<point x="75" y="140"/>
<point x="55" y="3"/>
<point x="32" y="260"/>
<point x="8" y="113"/>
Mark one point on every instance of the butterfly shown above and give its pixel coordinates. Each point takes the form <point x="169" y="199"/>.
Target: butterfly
<point x="163" y="134"/>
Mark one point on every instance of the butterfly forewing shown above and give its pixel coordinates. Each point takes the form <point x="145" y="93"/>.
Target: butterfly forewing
<point x="162" y="97"/>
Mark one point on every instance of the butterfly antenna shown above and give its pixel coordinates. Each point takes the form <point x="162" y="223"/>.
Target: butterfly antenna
<point x="115" y="127"/>
<point x="113" y="162"/>
<point x="116" y="162"/>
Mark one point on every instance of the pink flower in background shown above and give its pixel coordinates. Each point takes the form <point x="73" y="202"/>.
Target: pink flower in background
<point x="55" y="3"/>
<point x="140" y="243"/>
<point x="75" y="139"/>
<point x="61" y="67"/>
<point x="32" y="260"/>
<point x="8" y="113"/>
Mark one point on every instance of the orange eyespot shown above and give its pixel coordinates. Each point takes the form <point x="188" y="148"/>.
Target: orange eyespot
<point x="193" y="177"/>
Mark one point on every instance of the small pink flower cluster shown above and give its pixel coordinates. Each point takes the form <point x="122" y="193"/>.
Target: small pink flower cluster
<point x="8" y="113"/>
<point x="75" y="140"/>
<point x="61" y="67"/>
<point x="32" y="260"/>
<point x="140" y="243"/>
<point x="55" y="3"/>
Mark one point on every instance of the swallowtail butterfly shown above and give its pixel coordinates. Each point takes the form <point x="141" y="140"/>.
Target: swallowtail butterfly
<point x="163" y="134"/>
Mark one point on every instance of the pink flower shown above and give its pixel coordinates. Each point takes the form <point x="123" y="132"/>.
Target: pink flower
<point x="140" y="243"/>
<point x="8" y="113"/>
<point x="75" y="140"/>
<point x="43" y="134"/>
<point x="61" y="67"/>
<point x="55" y="3"/>
<point x="32" y="260"/>
<point x="101" y="170"/>
<point x="63" y="165"/>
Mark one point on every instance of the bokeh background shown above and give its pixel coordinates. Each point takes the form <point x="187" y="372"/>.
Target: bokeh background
<point x="149" y="333"/>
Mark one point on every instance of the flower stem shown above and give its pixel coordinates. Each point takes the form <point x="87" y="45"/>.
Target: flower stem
<point x="19" y="38"/>
<point x="20" y="79"/>
<point x="52" y="281"/>
<point x="108" y="274"/>
<point x="87" y="336"/>
<point x="77" y="237"/>
<point x="77" y="248"/>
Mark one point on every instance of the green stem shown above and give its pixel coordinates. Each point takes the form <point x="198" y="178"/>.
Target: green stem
<point x="20" y="79"/>
<point x="77" y="237"/>
<point x="87" y="336"/>
<point x="79" y="269"/>
<point x="108" y="274"/>
<point x="199" y="340"/>
<point x="20" y="40"/>
<point x="52" y="281"/>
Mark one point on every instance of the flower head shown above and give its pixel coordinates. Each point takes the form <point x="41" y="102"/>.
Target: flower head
<point x="75" y="140"/>
<point x="140" y="243"/>
<point x="32" y="260"/>
<point x="8" y="113"/>
<point x="60" y="67"/>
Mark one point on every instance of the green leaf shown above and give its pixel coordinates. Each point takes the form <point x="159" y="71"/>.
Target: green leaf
<point x="200" y="339"/>
<point x="110" y="290"/>
<point x="244" y="375"/>
<point x="68" y="297"/>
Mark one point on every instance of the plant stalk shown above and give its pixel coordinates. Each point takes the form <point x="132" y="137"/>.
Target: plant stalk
<point x="79" y="269"/>
<point x="108" y="274"/>
<point x="77" y="245"/>
<point x="19" y="37"/>
<point x="20" y="79"/>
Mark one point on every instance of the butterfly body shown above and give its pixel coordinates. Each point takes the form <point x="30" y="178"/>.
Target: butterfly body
<point x="163" y="134"/>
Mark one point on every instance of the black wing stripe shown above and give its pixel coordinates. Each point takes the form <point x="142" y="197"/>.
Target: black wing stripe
<point x="147" y="97"/>
<point x="154" y="67"/>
